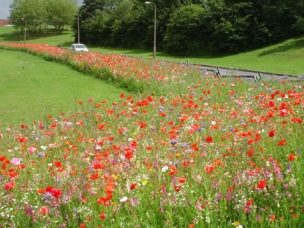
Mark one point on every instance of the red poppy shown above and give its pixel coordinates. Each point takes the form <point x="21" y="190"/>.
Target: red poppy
<point x="272" y="217"/>
<point x="94" y="176"/>
<point x="249" y="202"/>
<point x="12" y="173"/>
<point x="230" y="188"/>
<point x="182" y="179"/>
<point x="23" y="126"/>
<point x="296" y="120"/>
<point x="44" y="210"/>
<point x="282" y="143"/>
<point x="9" y="185"/>
<point x="271" y="103"/>
<point x="98" y="166"/>
<point x="271" y="133"/>
<point x="177" y="188"/>
<point x="105" y="200"/>
<point x="250" y="152"/>
<point x="3" y="158"/>
<point x="40" y="190"/>
<point x="55" y="192"/>
<point x="283" y="112"/>
<point x="262" y="184"/>
<point x="110" y="187"/>
<point x="133" y="186"/>
<point x="101" y="126"/>
<point x="57" y="163"/>
<point x="292" y="157"/>
<point x="134" y="144"/>
<point x="22" y="139"/>
<point x="102" y="216"/>
<point x="163" y="114"/>
<point x="173" y="170"/>
<point x="129" y="155"/>
<point x="209" y="139"/>
<point x="250" y="141"/>
<point x="209" y="168"/>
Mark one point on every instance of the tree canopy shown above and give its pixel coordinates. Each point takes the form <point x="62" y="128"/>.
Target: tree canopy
<point x="184" y="27"/>
<point x="38" y="13"/>
<point x="188" y="27"/>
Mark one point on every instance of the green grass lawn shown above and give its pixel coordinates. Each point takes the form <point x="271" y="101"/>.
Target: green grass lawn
<point x="285" y="57"/>
<point x="32" y="88"/>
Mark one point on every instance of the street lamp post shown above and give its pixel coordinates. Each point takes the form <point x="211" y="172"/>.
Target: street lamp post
<point x="24" y="36"/>
<point x="78" y="16"/>
<point x="154" y="42"/>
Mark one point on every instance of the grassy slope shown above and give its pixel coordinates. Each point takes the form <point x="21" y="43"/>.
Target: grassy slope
<point x="31" y="88"/>
<point x="286" y="57"/>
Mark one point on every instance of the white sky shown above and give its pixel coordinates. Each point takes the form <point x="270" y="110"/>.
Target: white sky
<point x="5" y="4"/>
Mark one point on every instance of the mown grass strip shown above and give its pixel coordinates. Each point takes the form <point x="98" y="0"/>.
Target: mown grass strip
<point x="31" y="88"/>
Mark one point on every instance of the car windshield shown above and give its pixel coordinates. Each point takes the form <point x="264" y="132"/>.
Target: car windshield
<point x="80" y="46"/>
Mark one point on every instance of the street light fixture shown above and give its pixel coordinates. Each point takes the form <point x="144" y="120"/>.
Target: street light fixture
<point x="154" y="42"/>
<point x="24" y="37"/>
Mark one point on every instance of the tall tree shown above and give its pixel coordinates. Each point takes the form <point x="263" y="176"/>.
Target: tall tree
<point x="93" y="14"/>
<point x="30" y="11"/>
<point x="185" y="31"/>
<point x="61" y="12"/>
<point x="36" y="13"/>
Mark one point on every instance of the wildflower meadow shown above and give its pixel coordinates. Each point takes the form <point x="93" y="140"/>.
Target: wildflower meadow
<point x="181" y="148"/>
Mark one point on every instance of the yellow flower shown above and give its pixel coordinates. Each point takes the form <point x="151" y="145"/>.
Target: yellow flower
<point x="236" y="223"/>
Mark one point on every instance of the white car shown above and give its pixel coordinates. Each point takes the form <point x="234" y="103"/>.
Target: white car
<point x="79" y="47"/>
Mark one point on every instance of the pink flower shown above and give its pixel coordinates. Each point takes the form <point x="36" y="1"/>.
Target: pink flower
<point x="16" y="161"/>
<point x="32" y="149"/>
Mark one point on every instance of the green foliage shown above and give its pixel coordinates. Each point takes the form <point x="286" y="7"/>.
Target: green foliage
<point x="225" y="26"/>
<point x="130" y="28"/>
<point x="34" y="15"/>
<point x="31" y="13"/>
<point x="184" y="33"/>
<point x="60" y="12"/>
<point x="93" y="27"/>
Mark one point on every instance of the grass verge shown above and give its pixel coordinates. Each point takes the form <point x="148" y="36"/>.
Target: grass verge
<point x="32" y="88"/>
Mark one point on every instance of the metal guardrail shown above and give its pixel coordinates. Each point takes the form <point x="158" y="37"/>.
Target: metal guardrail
<point x="253" y="75"/>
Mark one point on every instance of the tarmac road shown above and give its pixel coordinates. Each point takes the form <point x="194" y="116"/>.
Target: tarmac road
<point x="250" y="75"/>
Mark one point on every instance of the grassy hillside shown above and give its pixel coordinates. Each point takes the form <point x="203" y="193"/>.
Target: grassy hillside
<point x="32" y="88"/>
<point x="285" y="57"/>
